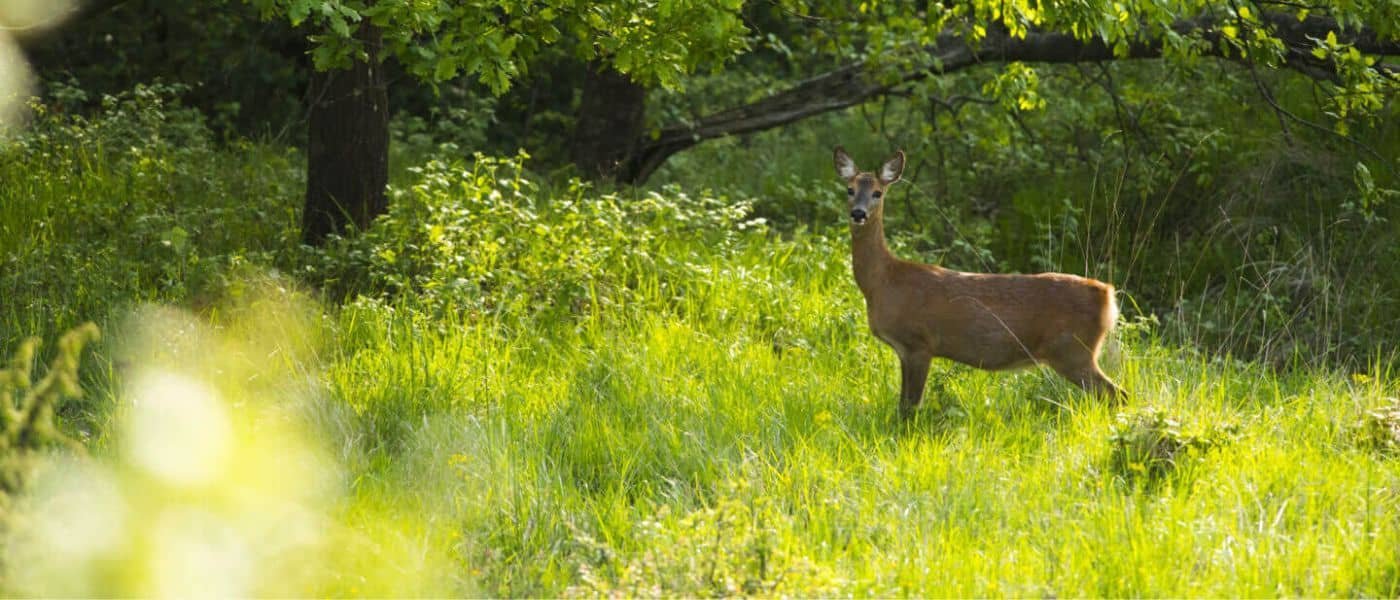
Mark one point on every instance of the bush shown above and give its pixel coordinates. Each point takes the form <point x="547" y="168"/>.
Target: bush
<point x="1379" y="429"/>
<point x="489" y="239"/>
<point x="1150" y="444"/>
<point x="134" y="203"/>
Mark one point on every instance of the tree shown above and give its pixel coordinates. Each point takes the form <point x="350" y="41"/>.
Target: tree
<point x="609" y="123"/>
<point x="347" y="143"/>
<point x="653" y="42"/>
<point x="893" y="45"/>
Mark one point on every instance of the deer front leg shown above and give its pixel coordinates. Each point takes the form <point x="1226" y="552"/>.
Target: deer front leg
<point x="913" y="375"/>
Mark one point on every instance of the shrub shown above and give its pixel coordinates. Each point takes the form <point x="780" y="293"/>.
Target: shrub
<point x="1379" y="429"/>
<point x="134" y="203"/>
<point x="488" y="238"/>
<point x="1150" y="444"/>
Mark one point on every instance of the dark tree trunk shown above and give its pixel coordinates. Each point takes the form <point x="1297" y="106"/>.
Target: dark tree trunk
<point x="348" y="146"/>
<point x="609" y="122"/>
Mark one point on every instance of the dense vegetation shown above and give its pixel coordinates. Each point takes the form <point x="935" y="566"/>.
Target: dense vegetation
<point x="517" y="382"/>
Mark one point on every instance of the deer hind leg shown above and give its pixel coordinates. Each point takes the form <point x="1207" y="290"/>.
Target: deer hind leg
<point x="1080" y="364"/>
<point x="913" y="376"/>
<point x="1092" y="380"/>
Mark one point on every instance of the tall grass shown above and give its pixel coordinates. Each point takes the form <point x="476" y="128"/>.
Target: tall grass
<point x="513" y="388"/>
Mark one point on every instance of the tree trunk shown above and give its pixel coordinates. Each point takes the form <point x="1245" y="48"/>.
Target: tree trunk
<point x="348" y="145"/>
<point x="609" y="122"/>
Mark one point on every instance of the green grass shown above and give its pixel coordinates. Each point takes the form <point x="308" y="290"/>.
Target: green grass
<point x="683" y="454"/>
<point x="507" y="389"/>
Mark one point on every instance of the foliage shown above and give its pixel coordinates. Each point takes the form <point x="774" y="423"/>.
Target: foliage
<point x="135" y="203"/>
<point x="893" y="35"/>
<point x="1379" y="428"/>
<point x="212" y="481"/>
<point x="27" y="408"/>
<point x="243" y="76"/>
<point x="488" y="238"/>
<point x="1150" y="444"/>
<point x="726" y="408"/>
<point x="494" y="41"/>
<point x="732" y="548"/>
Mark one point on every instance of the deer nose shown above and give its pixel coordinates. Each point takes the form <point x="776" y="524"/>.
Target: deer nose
<point x="858" y="216"/>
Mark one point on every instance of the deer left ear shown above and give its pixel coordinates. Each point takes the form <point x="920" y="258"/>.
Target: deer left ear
<point x="891" y="170"/>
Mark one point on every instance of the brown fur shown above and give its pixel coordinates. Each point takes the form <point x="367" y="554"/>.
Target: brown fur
<point x="984" y="320"/>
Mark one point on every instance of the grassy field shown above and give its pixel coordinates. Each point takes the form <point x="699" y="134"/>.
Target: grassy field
<point x="513" y="389"/>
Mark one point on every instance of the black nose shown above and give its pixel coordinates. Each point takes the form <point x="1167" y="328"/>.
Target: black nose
<point x="857" y="215"/>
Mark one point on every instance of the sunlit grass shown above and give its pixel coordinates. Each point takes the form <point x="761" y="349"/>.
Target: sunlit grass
<point x="641" y="396"/>
<point x="686" y="453"/>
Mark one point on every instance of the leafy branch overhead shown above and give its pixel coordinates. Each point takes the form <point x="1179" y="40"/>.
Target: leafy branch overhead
<point x="891" y="45"/>
<point x="495" y="40"/>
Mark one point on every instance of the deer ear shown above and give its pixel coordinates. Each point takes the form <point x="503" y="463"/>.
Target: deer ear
<point x="845" y="167"/>
<point x="891" y="170"/>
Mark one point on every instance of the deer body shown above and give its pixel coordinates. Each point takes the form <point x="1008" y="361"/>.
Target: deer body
<point x="988" y="321"/>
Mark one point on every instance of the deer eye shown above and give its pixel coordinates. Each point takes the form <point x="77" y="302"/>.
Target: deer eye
<point x="851" y="191"/>
<point x="878" y="194"/>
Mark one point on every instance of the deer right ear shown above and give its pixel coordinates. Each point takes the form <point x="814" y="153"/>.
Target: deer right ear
<point x="845" y="167"/>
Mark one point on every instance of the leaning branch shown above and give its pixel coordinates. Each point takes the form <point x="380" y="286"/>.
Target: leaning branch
<point x="853" y="84"/>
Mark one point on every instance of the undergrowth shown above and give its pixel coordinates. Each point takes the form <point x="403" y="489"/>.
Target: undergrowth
<point x="517" y="387"/>
<point x="1379" y="428"/>
<point x="1149" y="445"/>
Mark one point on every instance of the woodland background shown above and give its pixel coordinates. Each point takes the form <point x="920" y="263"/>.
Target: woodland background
<point x="552" y="297"/>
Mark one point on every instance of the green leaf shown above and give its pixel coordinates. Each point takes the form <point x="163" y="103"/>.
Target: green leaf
<point x="444" y="70"/>
<point x="298" y="11"/>
<point x="339" y="26"/>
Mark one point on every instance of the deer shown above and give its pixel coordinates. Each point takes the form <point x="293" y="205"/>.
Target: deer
<point x="984" y="320"/>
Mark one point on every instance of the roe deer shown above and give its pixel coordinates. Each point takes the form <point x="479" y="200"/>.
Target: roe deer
<point x="984" y="320"/>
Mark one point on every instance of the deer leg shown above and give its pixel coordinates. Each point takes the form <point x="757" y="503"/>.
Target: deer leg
<point x="1079" y="362"/>
<point x="913" y="376"/>
<point x="1104" y="386"/>
<point x="1092" y="380"/>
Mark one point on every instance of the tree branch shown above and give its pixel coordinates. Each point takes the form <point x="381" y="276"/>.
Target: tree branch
<point x="855" y="83"/>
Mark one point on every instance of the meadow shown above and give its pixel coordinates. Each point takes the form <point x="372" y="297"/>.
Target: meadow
<point x="517" y="385"/>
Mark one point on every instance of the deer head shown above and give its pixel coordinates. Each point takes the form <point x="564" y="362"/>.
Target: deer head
<point x="864" y="190"/>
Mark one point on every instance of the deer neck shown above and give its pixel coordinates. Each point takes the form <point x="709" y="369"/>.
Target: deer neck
<point x="870" y="257"/>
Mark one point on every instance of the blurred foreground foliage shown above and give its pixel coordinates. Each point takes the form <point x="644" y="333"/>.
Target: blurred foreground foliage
<point x="27" y="409"/>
